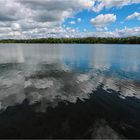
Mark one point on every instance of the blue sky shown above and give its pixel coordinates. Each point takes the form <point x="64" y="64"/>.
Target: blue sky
<point x="21" y="19"/>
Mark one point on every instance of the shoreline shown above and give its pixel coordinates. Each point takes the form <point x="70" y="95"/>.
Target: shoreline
<point x="89" y="40"/>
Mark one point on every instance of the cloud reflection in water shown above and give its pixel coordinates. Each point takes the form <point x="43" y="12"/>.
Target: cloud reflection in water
<point x="54" y="73"/>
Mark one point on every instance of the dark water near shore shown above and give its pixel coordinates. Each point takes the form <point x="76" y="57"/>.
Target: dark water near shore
<point x="69" y="91"/>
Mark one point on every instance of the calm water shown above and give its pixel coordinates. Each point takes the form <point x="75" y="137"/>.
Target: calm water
<point x="69" y="91"/>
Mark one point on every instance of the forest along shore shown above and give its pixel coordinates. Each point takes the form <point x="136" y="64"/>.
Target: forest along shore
<point x="89" y="40"/>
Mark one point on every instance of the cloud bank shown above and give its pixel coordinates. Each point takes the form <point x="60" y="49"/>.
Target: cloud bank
<point x="21" y="19"/>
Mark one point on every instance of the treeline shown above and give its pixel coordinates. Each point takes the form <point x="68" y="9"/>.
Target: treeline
<point x="89" y="40"/>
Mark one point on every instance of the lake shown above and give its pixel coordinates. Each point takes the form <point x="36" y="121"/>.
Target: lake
<point x="69" y="91"/>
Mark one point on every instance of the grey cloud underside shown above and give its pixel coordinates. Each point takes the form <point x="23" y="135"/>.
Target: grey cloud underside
<point x="49" y="5"/>
<point x="31" y="18"/>
<point x="49" y="16"/>
<point x="7" y="14"/>
<point x="7" y="18"/>
<point x="56" y="10"/>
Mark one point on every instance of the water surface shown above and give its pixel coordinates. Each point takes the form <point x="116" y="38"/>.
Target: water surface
<point x="69" y="91"/>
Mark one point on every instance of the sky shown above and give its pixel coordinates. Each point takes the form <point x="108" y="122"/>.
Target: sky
<point x="25" y="19"/>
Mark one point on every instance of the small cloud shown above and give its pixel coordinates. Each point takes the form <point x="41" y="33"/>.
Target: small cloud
<point x="85" y="30"/>
<point x="72" y="22"/>
<point x="79" y="20"/>
<point x="133" y="16"/>
<point x="98" y="7"/>
<point x="105" y="28"/>
<point x="15" y="27"/>
<point x="101" y="29"/>
<point x="103" y="20"/>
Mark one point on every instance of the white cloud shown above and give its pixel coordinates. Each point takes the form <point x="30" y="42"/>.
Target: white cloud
<point x="85" y="30"/>
<point x="105" y="28"/>
<point x="100" y="4"/>
<point x="98" y="7"/>
<point x="126" y="32"/>
<point x="79" y="20"/>
<point x="72" y="22"/>
<point x="134" y="15"/>
<point x="100" y="29"/>
<point x="135" y="31"/>
<point x="103" y="20"/>
<point x="15" y="26"/>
